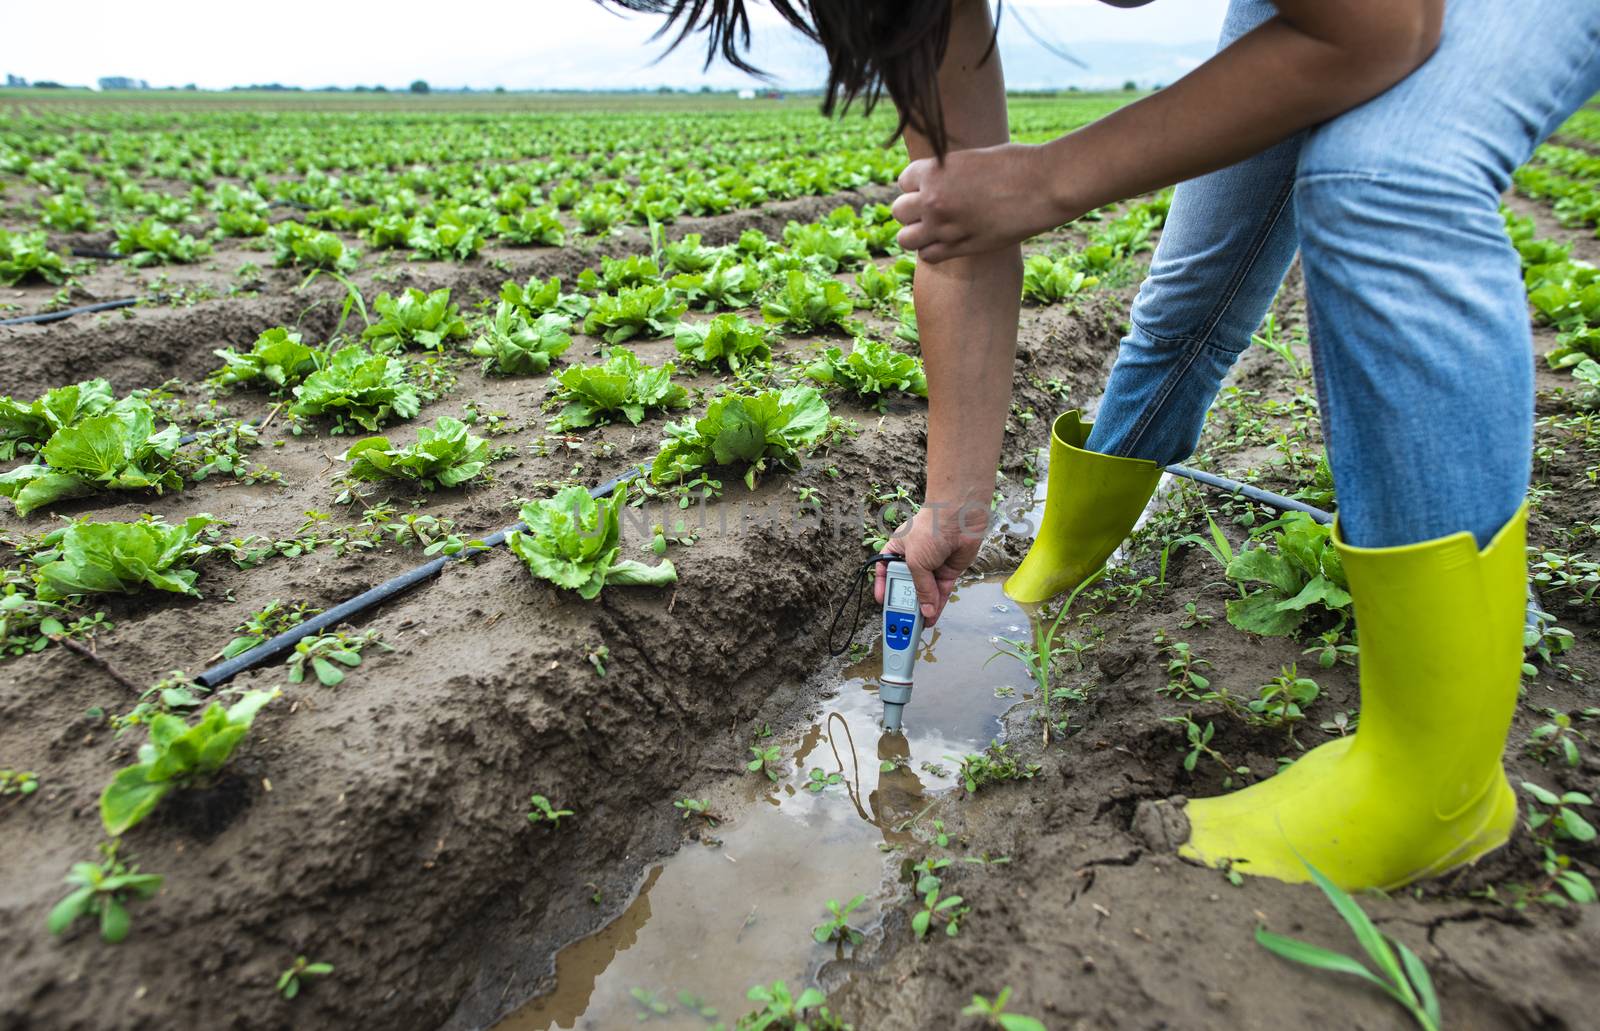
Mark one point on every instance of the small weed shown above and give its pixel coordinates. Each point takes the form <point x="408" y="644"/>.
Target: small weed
<point x="767" y="759"/>
<point x="782" y="1011"/>
<point x="994" y="1013"/>
<point x="838" y="928"/>
<point x="321" y="651"/>
<point x="688" y="807"/>
<point x="948" y="908"/>
<point x="1183" y="677"/>
<point x="18" y="782"/>
<point x="289" y="980"/>
<point x="1405" y="979"/>
<point x="818" y="781"/>
<point x="991" y="766"/>
<point x="544" y="812"/>
<point x="103" y="889"/>
<point x="1558" y="737"/>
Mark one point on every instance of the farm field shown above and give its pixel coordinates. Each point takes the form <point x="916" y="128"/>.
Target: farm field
<point x="595" y="779"/>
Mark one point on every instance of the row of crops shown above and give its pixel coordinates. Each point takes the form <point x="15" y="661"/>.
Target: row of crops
<point x="1564" y="293"/>
<point x="736" y="317"/>
<point x="434" y="188"/>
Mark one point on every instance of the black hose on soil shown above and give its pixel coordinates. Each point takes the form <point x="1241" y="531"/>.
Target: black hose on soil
<point x="1256" y="494"/>
<point x="271" y="649"/>
<point x="67" y="313"/>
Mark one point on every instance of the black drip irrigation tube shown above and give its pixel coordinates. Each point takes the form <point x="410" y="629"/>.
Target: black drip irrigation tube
<point x="1256" y="494"/>
<point x="271" y="649"/>
<point x="67" y="313"/>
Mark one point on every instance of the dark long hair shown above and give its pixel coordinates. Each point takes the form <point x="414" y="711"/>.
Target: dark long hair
<point x="873" y="46"/>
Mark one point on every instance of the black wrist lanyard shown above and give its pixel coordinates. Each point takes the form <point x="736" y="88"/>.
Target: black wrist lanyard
<point x="858" y="587"/>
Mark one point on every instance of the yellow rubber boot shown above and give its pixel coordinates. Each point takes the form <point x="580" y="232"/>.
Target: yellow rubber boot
<point x="1419" y="789"/>
<point x="1091" y="502"/>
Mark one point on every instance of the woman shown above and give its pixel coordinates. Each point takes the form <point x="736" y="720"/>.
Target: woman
<point x="1374" y="136"/>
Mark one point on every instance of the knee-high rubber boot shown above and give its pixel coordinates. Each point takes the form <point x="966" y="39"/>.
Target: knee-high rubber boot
<point x="1419" y="788"/>
<point x="1091" y="502"/>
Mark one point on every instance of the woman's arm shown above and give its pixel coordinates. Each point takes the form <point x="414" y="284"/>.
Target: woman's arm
<point x="967" y="320"/>
<point x="1315" y="60"/>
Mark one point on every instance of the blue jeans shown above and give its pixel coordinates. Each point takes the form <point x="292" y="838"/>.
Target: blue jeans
<point x="1419" y="324"/>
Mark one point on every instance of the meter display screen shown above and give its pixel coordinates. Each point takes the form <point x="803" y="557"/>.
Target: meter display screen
<point x="903" y="595"/>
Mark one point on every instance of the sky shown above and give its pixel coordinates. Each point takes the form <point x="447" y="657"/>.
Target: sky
<point x="533" y="44"/>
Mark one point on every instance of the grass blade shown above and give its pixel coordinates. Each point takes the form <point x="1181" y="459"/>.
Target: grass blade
<point x="1314" y="956"/>
<point x="1417" y="974"/>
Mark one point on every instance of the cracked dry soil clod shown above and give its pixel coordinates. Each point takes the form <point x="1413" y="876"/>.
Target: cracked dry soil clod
<point x="1162" y="824"/>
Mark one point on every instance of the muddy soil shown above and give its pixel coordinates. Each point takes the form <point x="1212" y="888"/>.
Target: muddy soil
<point x="380" y="826"/>
<point x="1095" y="929"/>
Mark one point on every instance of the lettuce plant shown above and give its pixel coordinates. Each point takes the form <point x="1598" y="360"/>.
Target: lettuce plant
<point x="277" y="356"/>
<point x="444" y="455"/>
<point x="885" y="289"/>
<point x="806" y="304"/>
<point x="1304" y="570"/>
<point x="726" y="340"/>
<point x="238" y="222"/>
<point x="296" y="243"/>
<point x="757" y="430"/>
<point x="23" y="427"/>
<point x="531" y="227"/>
<point x="727" y="284"/>
<point x="830" y="248"/>
<point x="621" y="385"/>
<point x="652" y="310"/>
<point x="451" y="238"/>
<point x="618" y="273"/>
<point x="25" y="256"/>
<point x="150" y="242"/>
<point x="1047" y="280"/>
<point x="415" y="319"/>
<point x="365" y="388"/>
<point x="68" y="211"/>
<point x="574" y="542"/>
<point x="538" y="297"/>
<point x="112" y="557"/>
<point x="117" y="450"/>
<point x="511" y="345"/>
<point x="177" y="756"/>
<point x="870" y="370"/>
<point x="688" y="255"/>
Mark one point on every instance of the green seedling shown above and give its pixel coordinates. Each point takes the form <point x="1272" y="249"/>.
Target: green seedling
<point x="838" y="927"/>
<point x="1183" y="677"/>
<point x="1283" y="700"/>
<point x="782" y="1011"/>
<point x="544" y="812"/>
<point x="1331" y="651"/>
<point x="1565" y="823"/>
<point x="289" y="980"/>
<point x="1283" y="348"/>
<point x="1198" y="741"/>
<point x="321" y="651"/>
<point x="598" y="657"/>
<point x="766" y="761"/>
<point x="947" y="908"/>
<point x="1404" y="978"/>
<point x="697" y="1005"/>
<point x="1558" y="737"/>
<point x="991" y="766"/>
<point x="18" y="782"/>
<point x="994" y="1013"/>
<point x="1040" y="654"/>
<point x="688" y="807"/>
<point x="818" y="781"/>
<point x="650" y="1004"/>
<point x="103" y="889"/>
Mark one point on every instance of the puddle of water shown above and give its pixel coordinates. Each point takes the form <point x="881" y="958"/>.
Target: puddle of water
<point x="712" y="921"/>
